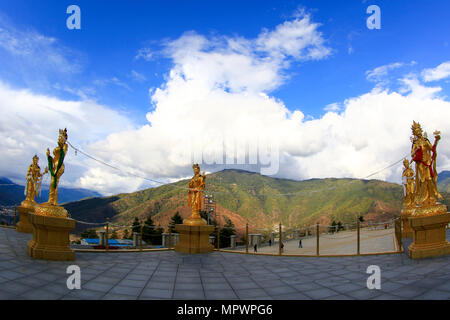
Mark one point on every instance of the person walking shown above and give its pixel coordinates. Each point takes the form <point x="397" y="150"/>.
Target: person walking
<point x="255" y="247"/>
<point x="270" y="242"/>
<point x="300" y="243"/>
<point x="282" y="247"/>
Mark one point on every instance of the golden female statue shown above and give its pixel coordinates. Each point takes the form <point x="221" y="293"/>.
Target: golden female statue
<point x="408" y="176"/>
<point x="56" y="166"/>
<point x="196" y="188"/>
<point x="34" y="179"/>
<point x="424" y="155"/>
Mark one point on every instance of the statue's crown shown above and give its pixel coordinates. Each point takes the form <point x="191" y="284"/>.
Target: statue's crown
<point x="35" y="157"/>
<point x="416" y="127"/>
<point x="195" y="165"/>
<point x="63" y="133"/>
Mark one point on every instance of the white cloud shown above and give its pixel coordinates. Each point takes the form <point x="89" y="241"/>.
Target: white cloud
<point x="29" y="125"/>
<point x="333" y="107"/>
<point x="442" y="71"/>
<point x="144" y="53"/>
<point x="137" y="76"/>
<point x="378" y="73"/>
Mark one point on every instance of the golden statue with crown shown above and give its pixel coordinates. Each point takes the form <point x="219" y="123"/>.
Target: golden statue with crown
<point x="51" y="224"/>
<point x="195" y="197"/>
<point x="194" y="232"/>
<point x="56" y="169"/>
<point x="423" y="216"/>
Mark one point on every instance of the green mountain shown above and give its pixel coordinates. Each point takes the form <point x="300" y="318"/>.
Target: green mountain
<point x="444" y="181"/>
<point x="250" y="197"/>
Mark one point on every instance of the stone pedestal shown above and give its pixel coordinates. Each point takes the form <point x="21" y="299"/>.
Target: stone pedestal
<point x="24" y="224"/>
<point x="50" y="236"/>
<point x="233" y="241"/>
<point x="135" y="239"/>
<point x="101" y="237"/>
<point x="407" y="232"/>
<point x="194" y="239"/>
<point x="429" y="233"/>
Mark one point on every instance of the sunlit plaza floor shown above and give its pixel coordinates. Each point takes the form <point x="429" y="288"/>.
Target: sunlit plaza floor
<point x="171" y="275"/>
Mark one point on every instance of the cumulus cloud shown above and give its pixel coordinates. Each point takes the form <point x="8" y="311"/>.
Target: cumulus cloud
<point x="442" y="71"/>
<point x="29" y="125"/>
<point x="215" y="106"/>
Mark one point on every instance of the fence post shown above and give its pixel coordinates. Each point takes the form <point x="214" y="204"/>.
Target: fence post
<point x="170" y="238"/>
<point x="218" y="237"/>
<point x="140" y="237"/>
<point x="281" y="240"/>
<point x="317" y="240"/>
<point x="107" y="234"/>
<point x="15" y="214"/>
<point x="358" y="236"/>
<point x="246" y="238"/>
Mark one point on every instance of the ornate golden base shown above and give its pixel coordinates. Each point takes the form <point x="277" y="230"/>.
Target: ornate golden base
<point x="194" y="239"/>
<point x="429" y="234"/>
<point x="50" y="237"/>
<point x="49" y="210"/>
<point x="407" y="232"/>
<point x="194" y="222"/>
<point x="24" y="224"/>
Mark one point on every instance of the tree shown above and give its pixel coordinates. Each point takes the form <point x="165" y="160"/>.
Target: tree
<point x="136" y="227"/>
<point x="148" y="230"/>
<point x="176" y="219"/>
<point x="340" y="226"/>
<point x="89" y="234"/>
<point x="114" y="235"/>
<point x="361" y="218"/>
<point x="226" y="232"/>
<point x="126" y="234"/>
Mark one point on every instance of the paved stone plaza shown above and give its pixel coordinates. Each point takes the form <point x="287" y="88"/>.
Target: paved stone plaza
<point x="170" y="275"/>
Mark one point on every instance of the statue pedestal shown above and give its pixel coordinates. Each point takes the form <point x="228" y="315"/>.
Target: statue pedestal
<point x="24" y="224"/>
<point x="429" y="232"/>
<point x="407" y="231"/>
<point x="194" y="239"/>
<point x="51" y="234"/>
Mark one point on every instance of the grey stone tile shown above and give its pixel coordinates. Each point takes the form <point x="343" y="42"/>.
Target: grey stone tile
<point x="15" y="288"/>
<point x="274" y="291"/>
<point x="364" y="294"/>
<point x="188" y="294"/>
<point x="408" y="291"/>
<point x="156" y="293"/>
<point x="291" y="296"/>
<point x="434" y="294"/>
<point x="160" y="285"/>
<point x="40" y="294"/>
<point x="225" y="294"/>
<point x="97" y="286"/>
<point x="85" y="294"/>
<point x="113" y="296"/>
<point x="132" y="291"/>
<point x="320" y="293"/>
<point x="188" y="286"/>
<point x="132" y="283"/>
<point x="251" y="293"/>
<point x="216" y="286"/>
<point x="244" y="285"/>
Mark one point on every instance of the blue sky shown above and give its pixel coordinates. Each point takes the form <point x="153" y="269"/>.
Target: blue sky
<point x="105" y="61"/>
<point x="113" y="32"/>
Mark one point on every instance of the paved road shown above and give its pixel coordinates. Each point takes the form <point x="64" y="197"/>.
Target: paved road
<point x="171" y="275"/>
<point x="344" y="242"/>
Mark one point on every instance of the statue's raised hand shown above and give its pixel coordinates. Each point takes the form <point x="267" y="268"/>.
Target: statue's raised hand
<point x="48" y="152"/>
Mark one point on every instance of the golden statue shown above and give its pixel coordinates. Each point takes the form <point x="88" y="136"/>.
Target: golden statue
<point x="56" y="166"/>
<point x="56" y="169"/>
<point x="195" y="198"/>
<point x="424" y="155"/>
<point x="34" y="179"/>
<point x="408" y="176"/>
